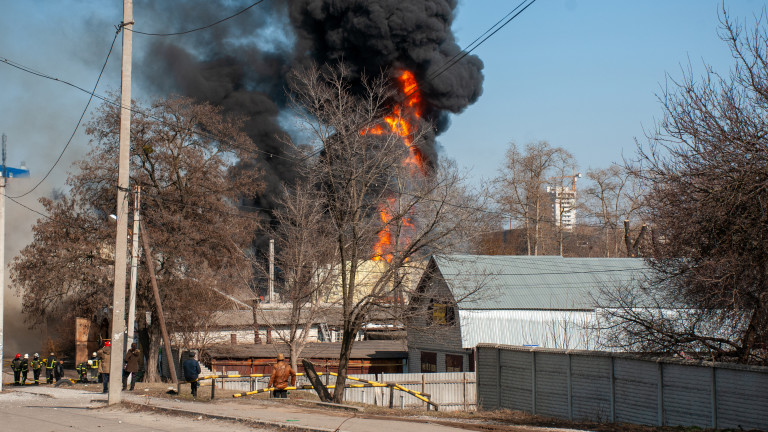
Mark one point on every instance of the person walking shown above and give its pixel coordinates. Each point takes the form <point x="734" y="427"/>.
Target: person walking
<point x="131" y="366"/>
<point x="104" y="355"/>
<point x="50" y="364"/>
<point x="24" y="369"/>
<point x="37" y="366"/>
<point x="191" y="370"/>
<point x="279" y="378"/>
<point x="16" y="368"/>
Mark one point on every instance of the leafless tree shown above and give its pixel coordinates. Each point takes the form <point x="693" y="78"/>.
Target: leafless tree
<point x="706" y="169"/>
<point x="521" y="187"/>
<point x="611" y="197"/>
<point x="381" y="200"/>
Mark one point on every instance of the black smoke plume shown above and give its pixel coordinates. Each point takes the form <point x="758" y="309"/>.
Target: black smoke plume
<point x="242" y="63"/>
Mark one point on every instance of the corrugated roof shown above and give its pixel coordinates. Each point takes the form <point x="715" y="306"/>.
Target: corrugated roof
<point x="313" y="350"/>
<point x="485" y="282"/>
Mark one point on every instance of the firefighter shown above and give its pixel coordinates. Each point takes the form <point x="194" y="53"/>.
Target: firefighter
<point x="16" y="368"/>
<point x="24" y="369"/>
<point x="50" y="364"/>
<point x="82" y="371"/>
<point x="93" y="364"/>
<point x="37" y="365"/>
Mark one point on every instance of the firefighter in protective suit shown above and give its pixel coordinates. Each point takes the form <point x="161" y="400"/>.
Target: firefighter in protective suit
<point x="37" y="366"/>
<point x="16" y="368"/>
<point x="50" y="364"/>
<point x="82" y="371"/>
<point x="24" y="369"/>
<point x="93" y="365"/>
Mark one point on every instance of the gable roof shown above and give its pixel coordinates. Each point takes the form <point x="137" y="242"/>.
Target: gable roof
<point x="493" y="282"/>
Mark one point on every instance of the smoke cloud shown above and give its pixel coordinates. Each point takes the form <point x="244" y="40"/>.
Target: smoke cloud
<point x="241" y="64"/>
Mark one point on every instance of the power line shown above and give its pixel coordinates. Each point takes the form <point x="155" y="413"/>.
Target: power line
<point x="198" y="28"/>
<point x="148" y="115"/>
<point x="474" y="44"/>
<point x="85" y="110"/>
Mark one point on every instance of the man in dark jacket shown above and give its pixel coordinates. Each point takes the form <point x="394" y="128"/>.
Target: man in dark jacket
<point x="50" y="364"/>
<point x="37" y="365"/>
<point x="131" y="366"/>
<point x="191" y="371"/>
<point x="281" y="372"/>
<point x="16" y="368"/>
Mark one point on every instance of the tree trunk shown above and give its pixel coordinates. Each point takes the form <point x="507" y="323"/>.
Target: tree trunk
<point x="154" y="350"/>
<point x="347" y="341"/>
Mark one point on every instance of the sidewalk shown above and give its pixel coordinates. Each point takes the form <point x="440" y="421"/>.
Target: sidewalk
<point x="265" y="413"/>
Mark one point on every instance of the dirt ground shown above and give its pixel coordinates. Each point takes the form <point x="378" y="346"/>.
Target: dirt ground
<point x="489" y="421"/>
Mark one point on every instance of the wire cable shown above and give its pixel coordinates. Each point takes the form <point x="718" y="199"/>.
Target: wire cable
<point x="79" y="121"/>
<point x="198" y="28"/>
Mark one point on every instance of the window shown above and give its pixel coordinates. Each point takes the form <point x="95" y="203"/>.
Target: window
<point x="428" y="361"/>
<point x="442" y="314"/>
<point x="454" y="363"/>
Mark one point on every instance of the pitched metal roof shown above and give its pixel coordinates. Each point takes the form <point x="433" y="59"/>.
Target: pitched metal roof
<point x="313" y="350"/>
<point x="487" y="282"/>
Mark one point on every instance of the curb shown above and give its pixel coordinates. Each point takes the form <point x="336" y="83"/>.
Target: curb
<point x="247" y="421"/>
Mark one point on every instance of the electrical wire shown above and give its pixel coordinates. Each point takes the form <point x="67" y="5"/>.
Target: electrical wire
<point x="85" y="110"/>
<point x="474" y="44"/>
<point x="198" y="28"/>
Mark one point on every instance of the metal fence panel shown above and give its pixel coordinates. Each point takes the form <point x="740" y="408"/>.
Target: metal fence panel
<point x="552" y="386"/>
<point x="742" y="399"/>
<point x="591" y="388"/>
<point x="636" y="388"/>
<point x="487" y="378"/>
<point x="516" y="379"/>
<point x="687" y="395"/>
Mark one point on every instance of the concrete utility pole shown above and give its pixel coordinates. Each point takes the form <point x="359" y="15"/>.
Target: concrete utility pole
<point x="5" y="173"/>
<point x="271" y="271"/>
<point x="134" y="264"/>
<point x="121" y="242"/>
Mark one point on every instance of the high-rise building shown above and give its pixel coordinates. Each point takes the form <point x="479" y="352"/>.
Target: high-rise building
<point x="563" y="201"/>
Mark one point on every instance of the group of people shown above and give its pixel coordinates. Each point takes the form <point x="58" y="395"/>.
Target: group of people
<point x="54" y="369"/>
<point x="102" y="358"/>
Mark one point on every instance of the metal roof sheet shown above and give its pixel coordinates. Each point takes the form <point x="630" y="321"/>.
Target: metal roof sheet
<point x="486" y="282"/>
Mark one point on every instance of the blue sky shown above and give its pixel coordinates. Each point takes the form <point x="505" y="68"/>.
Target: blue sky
<point x="582" y="75"/>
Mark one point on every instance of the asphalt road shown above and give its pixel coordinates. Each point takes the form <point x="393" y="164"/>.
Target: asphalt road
<point x="76" y="411"/>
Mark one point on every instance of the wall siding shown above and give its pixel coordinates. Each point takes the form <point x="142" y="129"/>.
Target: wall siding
<point x="606" y="387"/>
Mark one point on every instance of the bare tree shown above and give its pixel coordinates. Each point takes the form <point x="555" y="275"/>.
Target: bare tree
<point x="521" y="187"/>
<point x="307" y="258"/>
<point x="706" y="167"/>
<point x="381" y="200"/>
<point x="611" y="197"/>
<point x="562" y="195"/>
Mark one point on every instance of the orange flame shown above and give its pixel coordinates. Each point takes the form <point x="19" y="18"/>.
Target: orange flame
<point x="402" y="122"/>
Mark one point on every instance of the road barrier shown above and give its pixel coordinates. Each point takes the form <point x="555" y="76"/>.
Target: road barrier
<point x="365" y="383"/>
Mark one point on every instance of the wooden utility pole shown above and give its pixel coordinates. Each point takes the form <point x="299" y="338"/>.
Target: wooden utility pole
<point x="121" y="242"/>
<point x="158" y="303"/>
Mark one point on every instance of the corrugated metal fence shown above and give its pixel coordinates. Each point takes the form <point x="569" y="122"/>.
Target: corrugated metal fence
<point x="453" y="391"/>
<point x="611" y="387"/>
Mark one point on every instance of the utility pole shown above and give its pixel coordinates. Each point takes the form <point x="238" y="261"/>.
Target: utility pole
<point x="6" y="172"/>
<point x="121" y="242"/>
<point x="271" y="271"/>
<point x="134" y="264"/>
